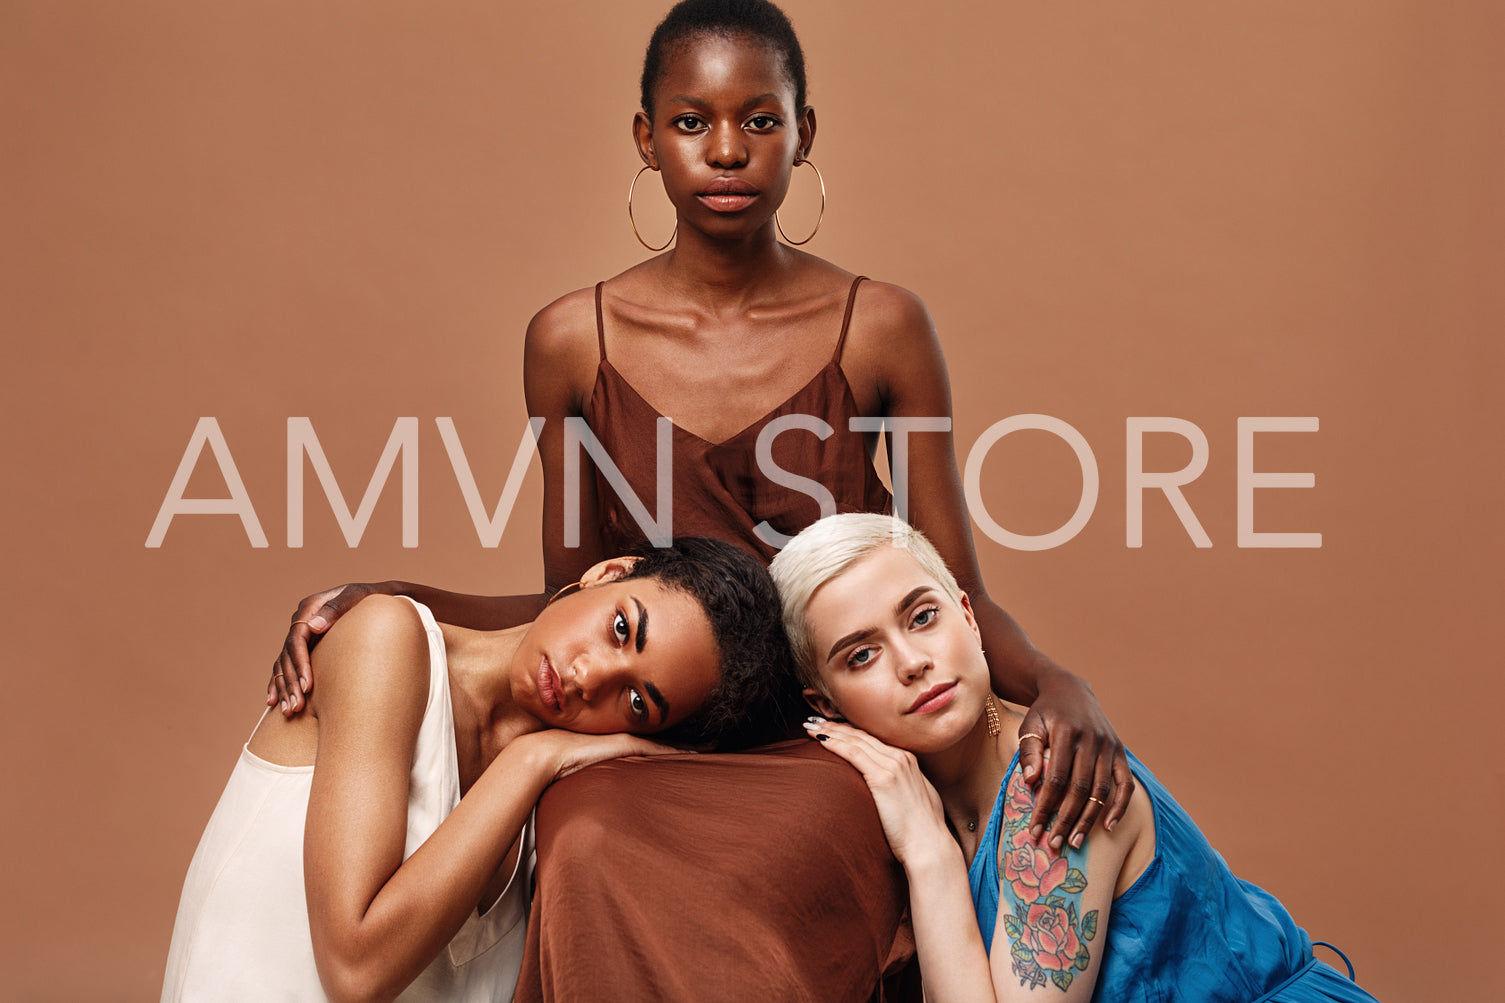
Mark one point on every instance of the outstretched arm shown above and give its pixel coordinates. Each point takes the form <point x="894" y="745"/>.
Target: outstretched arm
<point x="1090" y="769"/>
<point x="292" y="670"/>
<point x="559" y="360"/>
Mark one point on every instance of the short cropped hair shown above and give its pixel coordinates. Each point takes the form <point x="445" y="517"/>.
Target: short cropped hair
<point x="758" y="20"/>
<point x="825" y="550"/>
<point x="749" y="705"/>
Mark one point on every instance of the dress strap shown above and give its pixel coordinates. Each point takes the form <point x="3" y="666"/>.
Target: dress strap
<point x="846" y="320"/>
<point x="601" y="328"/>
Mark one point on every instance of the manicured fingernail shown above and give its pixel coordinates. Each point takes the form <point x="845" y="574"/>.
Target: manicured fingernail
<point x="1055" y="842"/>
<point x="821" y="738"/>
<point x="1036" y="832"/>
<point x="1076" y="840"/>
<point x="318" y="623"/>
<point x="811" y="724"/>
<point x="1029" y="773"/>
<point x="816" y="718"/>
<point x="1108" y="826"/>
<point x="284" y="706"/>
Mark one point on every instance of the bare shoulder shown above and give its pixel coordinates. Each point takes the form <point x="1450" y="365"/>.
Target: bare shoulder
<point x="564" y="328"/>
<point x="560" y="352"/>
<point x="892" y="346"/>
<point x="380" y="643"/>
<point x="889" y="310"/>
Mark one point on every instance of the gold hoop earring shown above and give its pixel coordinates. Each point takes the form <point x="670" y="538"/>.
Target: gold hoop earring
<point x="817" y="219"/>
<point x="634" y="222"/>
<point x="567" y="588"/>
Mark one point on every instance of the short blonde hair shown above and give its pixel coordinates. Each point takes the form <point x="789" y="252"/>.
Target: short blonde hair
<point x="825" y="550"/>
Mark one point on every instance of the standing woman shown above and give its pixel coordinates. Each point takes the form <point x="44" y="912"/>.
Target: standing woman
<point x="765" y="357"/>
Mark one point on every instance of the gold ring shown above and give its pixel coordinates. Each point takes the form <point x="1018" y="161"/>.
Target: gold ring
<point x="1098" y="800"/>
<point x="296" y="622"/>
<point x="1030" y="734"/>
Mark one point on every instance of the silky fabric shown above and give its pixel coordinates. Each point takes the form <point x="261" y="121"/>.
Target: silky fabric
<point x="1187" y="929"/>
<point x="732" y="877"/>
<point x="718" y="488"/>
<point x="755" y="876"/>
<point x="242" y="928"/>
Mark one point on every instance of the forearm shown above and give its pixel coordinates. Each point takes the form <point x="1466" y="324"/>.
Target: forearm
<point x="952" y="957"/>
<point x="473" y="612"/>
<point x="376" y="951"/>
<point x="1018" y="669"/>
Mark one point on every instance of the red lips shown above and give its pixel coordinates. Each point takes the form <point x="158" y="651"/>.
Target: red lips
<point x="939" y="691"/>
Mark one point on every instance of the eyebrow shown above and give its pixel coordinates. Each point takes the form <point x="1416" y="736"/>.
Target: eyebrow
<point x="701" y="102"/>
<point x="899" y="607"/>
<point x="642" y="624"/>
<point x="658" y="698"/>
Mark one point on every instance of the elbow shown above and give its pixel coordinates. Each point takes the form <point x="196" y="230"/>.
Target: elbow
<point x="345" y="982"/>
<point x="350" y="973"/>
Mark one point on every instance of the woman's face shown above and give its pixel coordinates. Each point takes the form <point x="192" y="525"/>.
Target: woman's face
<point x="725" y="133"/>
<point x="899" y="658"/>
<point x="616" y="656"/>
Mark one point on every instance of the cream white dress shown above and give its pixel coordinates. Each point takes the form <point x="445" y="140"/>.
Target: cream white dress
<point x="242" y="928"/>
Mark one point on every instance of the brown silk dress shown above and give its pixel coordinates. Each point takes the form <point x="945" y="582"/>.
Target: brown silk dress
<point x="754" y="876"/>
<point x="719" y="489"/>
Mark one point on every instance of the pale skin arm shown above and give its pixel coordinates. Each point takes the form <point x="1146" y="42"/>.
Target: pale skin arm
<point x="377" y="920"/>
<point x="1052" y="909"/>
<point x="957" y="968"/>
<point x="903" y="352"/>
<point x="950" y="949"/>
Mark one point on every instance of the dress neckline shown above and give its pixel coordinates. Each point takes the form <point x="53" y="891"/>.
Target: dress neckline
<point x="604" y="369"/>
<point x="849" y="399"/>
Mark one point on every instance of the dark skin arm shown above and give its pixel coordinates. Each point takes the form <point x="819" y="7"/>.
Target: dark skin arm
<point x="894" y="359"/>
<point x="292" y="676"/>
<point x="559" y="361"/>
<point x="894" y="362"/>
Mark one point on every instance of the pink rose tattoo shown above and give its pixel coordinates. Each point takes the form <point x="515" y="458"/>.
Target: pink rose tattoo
<point x="1048" y="936"/>
<point x="1033" y="871"/>
<point x="1051" y="937"/>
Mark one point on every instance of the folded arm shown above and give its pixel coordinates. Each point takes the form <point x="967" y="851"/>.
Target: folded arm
<point x="376" y="919"/>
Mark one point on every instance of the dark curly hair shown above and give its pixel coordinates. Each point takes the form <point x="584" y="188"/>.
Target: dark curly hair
<point x="755" y="698"/>
<point x="755" y="19"/>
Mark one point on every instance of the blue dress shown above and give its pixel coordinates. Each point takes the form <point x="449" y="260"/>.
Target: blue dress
<point x="1187" y="929"/>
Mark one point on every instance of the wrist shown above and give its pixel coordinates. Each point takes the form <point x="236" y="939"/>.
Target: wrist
<point x="930" y="857"/>
<point x="534" y="756"/>
<point x="1049" y="675"/>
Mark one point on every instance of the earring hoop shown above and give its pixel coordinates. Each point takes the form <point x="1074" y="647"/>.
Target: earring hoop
<point x="822" y="215"/>
<point x="567" y="588"/>
<point x="634" y="222"/>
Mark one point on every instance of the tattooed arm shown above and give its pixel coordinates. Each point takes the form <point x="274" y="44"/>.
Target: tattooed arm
<point x="1053" y="907"/>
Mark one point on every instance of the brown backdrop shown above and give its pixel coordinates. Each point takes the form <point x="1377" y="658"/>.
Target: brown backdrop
<point x="348" y="211"/>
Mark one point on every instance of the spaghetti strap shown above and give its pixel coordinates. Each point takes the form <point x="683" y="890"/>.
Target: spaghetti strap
<point x="259" y="722"/>
<point x="845" y="320"/>
<point x="601" y="328"/>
